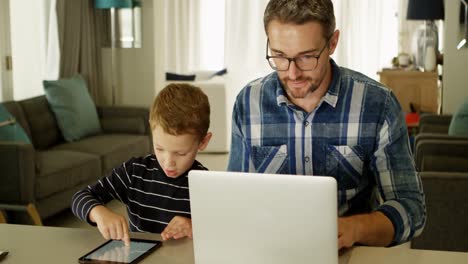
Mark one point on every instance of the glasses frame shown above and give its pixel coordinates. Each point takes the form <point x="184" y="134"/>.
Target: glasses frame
<point x="317" y="57"/>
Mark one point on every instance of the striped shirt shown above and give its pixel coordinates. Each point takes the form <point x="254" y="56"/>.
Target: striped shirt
<point x="357" y="135"/>
<point x="152" y="199"/>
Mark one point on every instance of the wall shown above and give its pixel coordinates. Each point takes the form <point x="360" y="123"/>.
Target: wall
<point x="455" y="70"/>
<point x="135" y="67"/>
<point x="6" y="90"/>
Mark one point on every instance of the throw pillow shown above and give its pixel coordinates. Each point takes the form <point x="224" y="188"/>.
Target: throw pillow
<point x="10" y="130"/>
<point x="179" y="77"/>
<point x="73" y="107"/>
<point x="459" y="123"/>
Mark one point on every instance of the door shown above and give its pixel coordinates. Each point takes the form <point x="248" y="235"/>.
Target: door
<point x="6" y="77"/>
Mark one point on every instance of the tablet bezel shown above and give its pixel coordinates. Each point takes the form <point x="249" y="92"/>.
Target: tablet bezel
<point x="157" y="244"/>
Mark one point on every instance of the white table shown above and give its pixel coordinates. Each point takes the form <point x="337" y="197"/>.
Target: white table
<point x="36" y="244"/>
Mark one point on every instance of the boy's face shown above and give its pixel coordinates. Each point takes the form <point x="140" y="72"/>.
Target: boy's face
<point x="176" y="154"/>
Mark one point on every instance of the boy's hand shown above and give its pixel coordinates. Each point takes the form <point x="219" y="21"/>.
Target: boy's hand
<point x="110" y="224"/>
<point x="178" y="227"/>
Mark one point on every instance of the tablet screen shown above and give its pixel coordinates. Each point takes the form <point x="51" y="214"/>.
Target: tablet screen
<point x="115" y="251"/>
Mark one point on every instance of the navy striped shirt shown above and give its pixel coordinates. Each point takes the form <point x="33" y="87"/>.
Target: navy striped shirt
<point x="357" y="134"/>
<point x="152" y="199"/>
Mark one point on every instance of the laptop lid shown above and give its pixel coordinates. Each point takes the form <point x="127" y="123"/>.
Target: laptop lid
<point x="263" y="218"/>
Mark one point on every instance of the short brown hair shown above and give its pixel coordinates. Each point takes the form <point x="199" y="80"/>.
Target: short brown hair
<point x="300" y="12"/>
<point x="181" y="108"/>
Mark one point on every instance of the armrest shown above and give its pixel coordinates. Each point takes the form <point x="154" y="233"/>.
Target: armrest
<point x="445" y="155"/>
<point x="424" y="136"/>
<point x="18" y="175"/>
<point x="429" y="123"/>
<point x="124" y="119"/>
<point x="447" y="211"/>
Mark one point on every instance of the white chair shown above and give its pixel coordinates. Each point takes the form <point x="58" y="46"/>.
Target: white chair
<point x="215" y="89"/>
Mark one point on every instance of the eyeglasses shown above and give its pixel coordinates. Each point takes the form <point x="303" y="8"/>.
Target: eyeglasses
<point x="303" y="62"/>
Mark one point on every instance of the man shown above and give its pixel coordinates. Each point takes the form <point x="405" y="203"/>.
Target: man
<point x="313" y="117"/>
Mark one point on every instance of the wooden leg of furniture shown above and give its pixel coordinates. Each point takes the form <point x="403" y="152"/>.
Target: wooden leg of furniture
<point x="30" y="209"/>
<point x="2" y="218"/>
<point x="34" y="214"/>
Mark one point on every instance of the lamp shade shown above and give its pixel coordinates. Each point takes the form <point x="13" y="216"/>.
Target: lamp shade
<point x="425" y="9"/>
<point x="136" y="3"/>
<point x="104" y="4"/>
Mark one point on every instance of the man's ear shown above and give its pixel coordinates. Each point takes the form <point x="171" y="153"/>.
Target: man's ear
<point x="205" y="141"/>
<point x="334" y="41"/>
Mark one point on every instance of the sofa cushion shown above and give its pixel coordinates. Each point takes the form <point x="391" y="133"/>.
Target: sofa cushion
<point x="459" y="123"/>
<point x="15" y="109"/>
<point x="62" y="169"/>
<point x="42" y="123"/>
<point x="113" y="149"/>
<point x="73" y="107"/>
<point x="10" y="130"/>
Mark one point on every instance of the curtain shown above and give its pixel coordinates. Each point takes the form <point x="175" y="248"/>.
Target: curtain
<point x="368" y="34"/>
<point x="245" y="44"/>
<point x="52" y="50"/>
<point x="80" y="29"/>
<point x="181" y="35"/>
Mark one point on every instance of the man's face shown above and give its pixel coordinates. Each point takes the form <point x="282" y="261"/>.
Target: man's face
<point x="175" y="153"/>
<point x="291" y="40"/>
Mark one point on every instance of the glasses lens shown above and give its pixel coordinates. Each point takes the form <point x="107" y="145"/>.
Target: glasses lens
<point x="280" y="64"/>
<point x="306" y="63"/>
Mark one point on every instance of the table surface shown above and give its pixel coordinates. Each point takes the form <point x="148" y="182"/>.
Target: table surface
<point x="30" y="244"/>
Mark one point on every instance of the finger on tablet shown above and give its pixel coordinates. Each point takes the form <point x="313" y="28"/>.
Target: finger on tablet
<point x="119" y="232"/>
<point x="126" y="236"/>
<point x="126" y="240"/>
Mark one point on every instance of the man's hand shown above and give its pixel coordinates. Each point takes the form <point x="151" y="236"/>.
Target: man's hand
<point x="347" y="232"/>
<point x="110" y="224"/>
<point x="178" y="227"/>
<point x="373" y="229"/>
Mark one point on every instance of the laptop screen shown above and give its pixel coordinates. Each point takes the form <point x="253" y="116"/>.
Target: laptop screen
<point x="263" y="218"/>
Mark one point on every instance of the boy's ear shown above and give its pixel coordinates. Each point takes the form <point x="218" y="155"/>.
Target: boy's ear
<point x="205" y="141"/>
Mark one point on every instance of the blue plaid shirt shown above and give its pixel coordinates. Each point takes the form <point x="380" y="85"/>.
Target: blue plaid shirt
<point x="357" y="135"/>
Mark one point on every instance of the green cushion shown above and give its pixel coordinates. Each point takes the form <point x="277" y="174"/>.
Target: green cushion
<point x="73" y="107"/>
<point x="10" y="130"/>
<point x="459" y="123"/>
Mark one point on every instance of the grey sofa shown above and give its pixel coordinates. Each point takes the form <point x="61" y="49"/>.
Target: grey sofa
<point x="49" y="171"/>
<point x="443" y="164"/>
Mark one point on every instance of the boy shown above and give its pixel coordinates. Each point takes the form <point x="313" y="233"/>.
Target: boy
<point x="154" y="188"/>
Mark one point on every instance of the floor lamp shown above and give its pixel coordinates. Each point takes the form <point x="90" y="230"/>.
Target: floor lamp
<point x="124" y="15"/>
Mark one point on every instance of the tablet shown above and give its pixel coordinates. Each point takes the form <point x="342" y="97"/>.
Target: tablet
<point x="115" y="251"/>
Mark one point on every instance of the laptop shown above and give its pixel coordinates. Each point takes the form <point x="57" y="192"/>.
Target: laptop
<point x="247" y="218"/>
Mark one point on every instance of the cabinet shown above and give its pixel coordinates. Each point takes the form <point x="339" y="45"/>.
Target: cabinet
<point x="419" y="88"/>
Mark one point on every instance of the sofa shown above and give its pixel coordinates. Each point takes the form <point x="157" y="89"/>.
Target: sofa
<point x="48" y="171"/>
<point x="442" y="161"/>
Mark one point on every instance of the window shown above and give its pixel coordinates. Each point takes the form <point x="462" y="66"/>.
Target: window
<point x="212" y="23"/>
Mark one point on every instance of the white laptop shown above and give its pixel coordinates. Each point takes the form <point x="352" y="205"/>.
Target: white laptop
<point x="244" y="218"/>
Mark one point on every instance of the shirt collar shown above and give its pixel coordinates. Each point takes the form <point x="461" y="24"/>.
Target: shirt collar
<point x="331" y="97"/>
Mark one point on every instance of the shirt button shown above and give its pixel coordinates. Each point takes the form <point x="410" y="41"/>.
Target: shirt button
<point x="306" y="123"/>
<point x="306" y="159"/>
